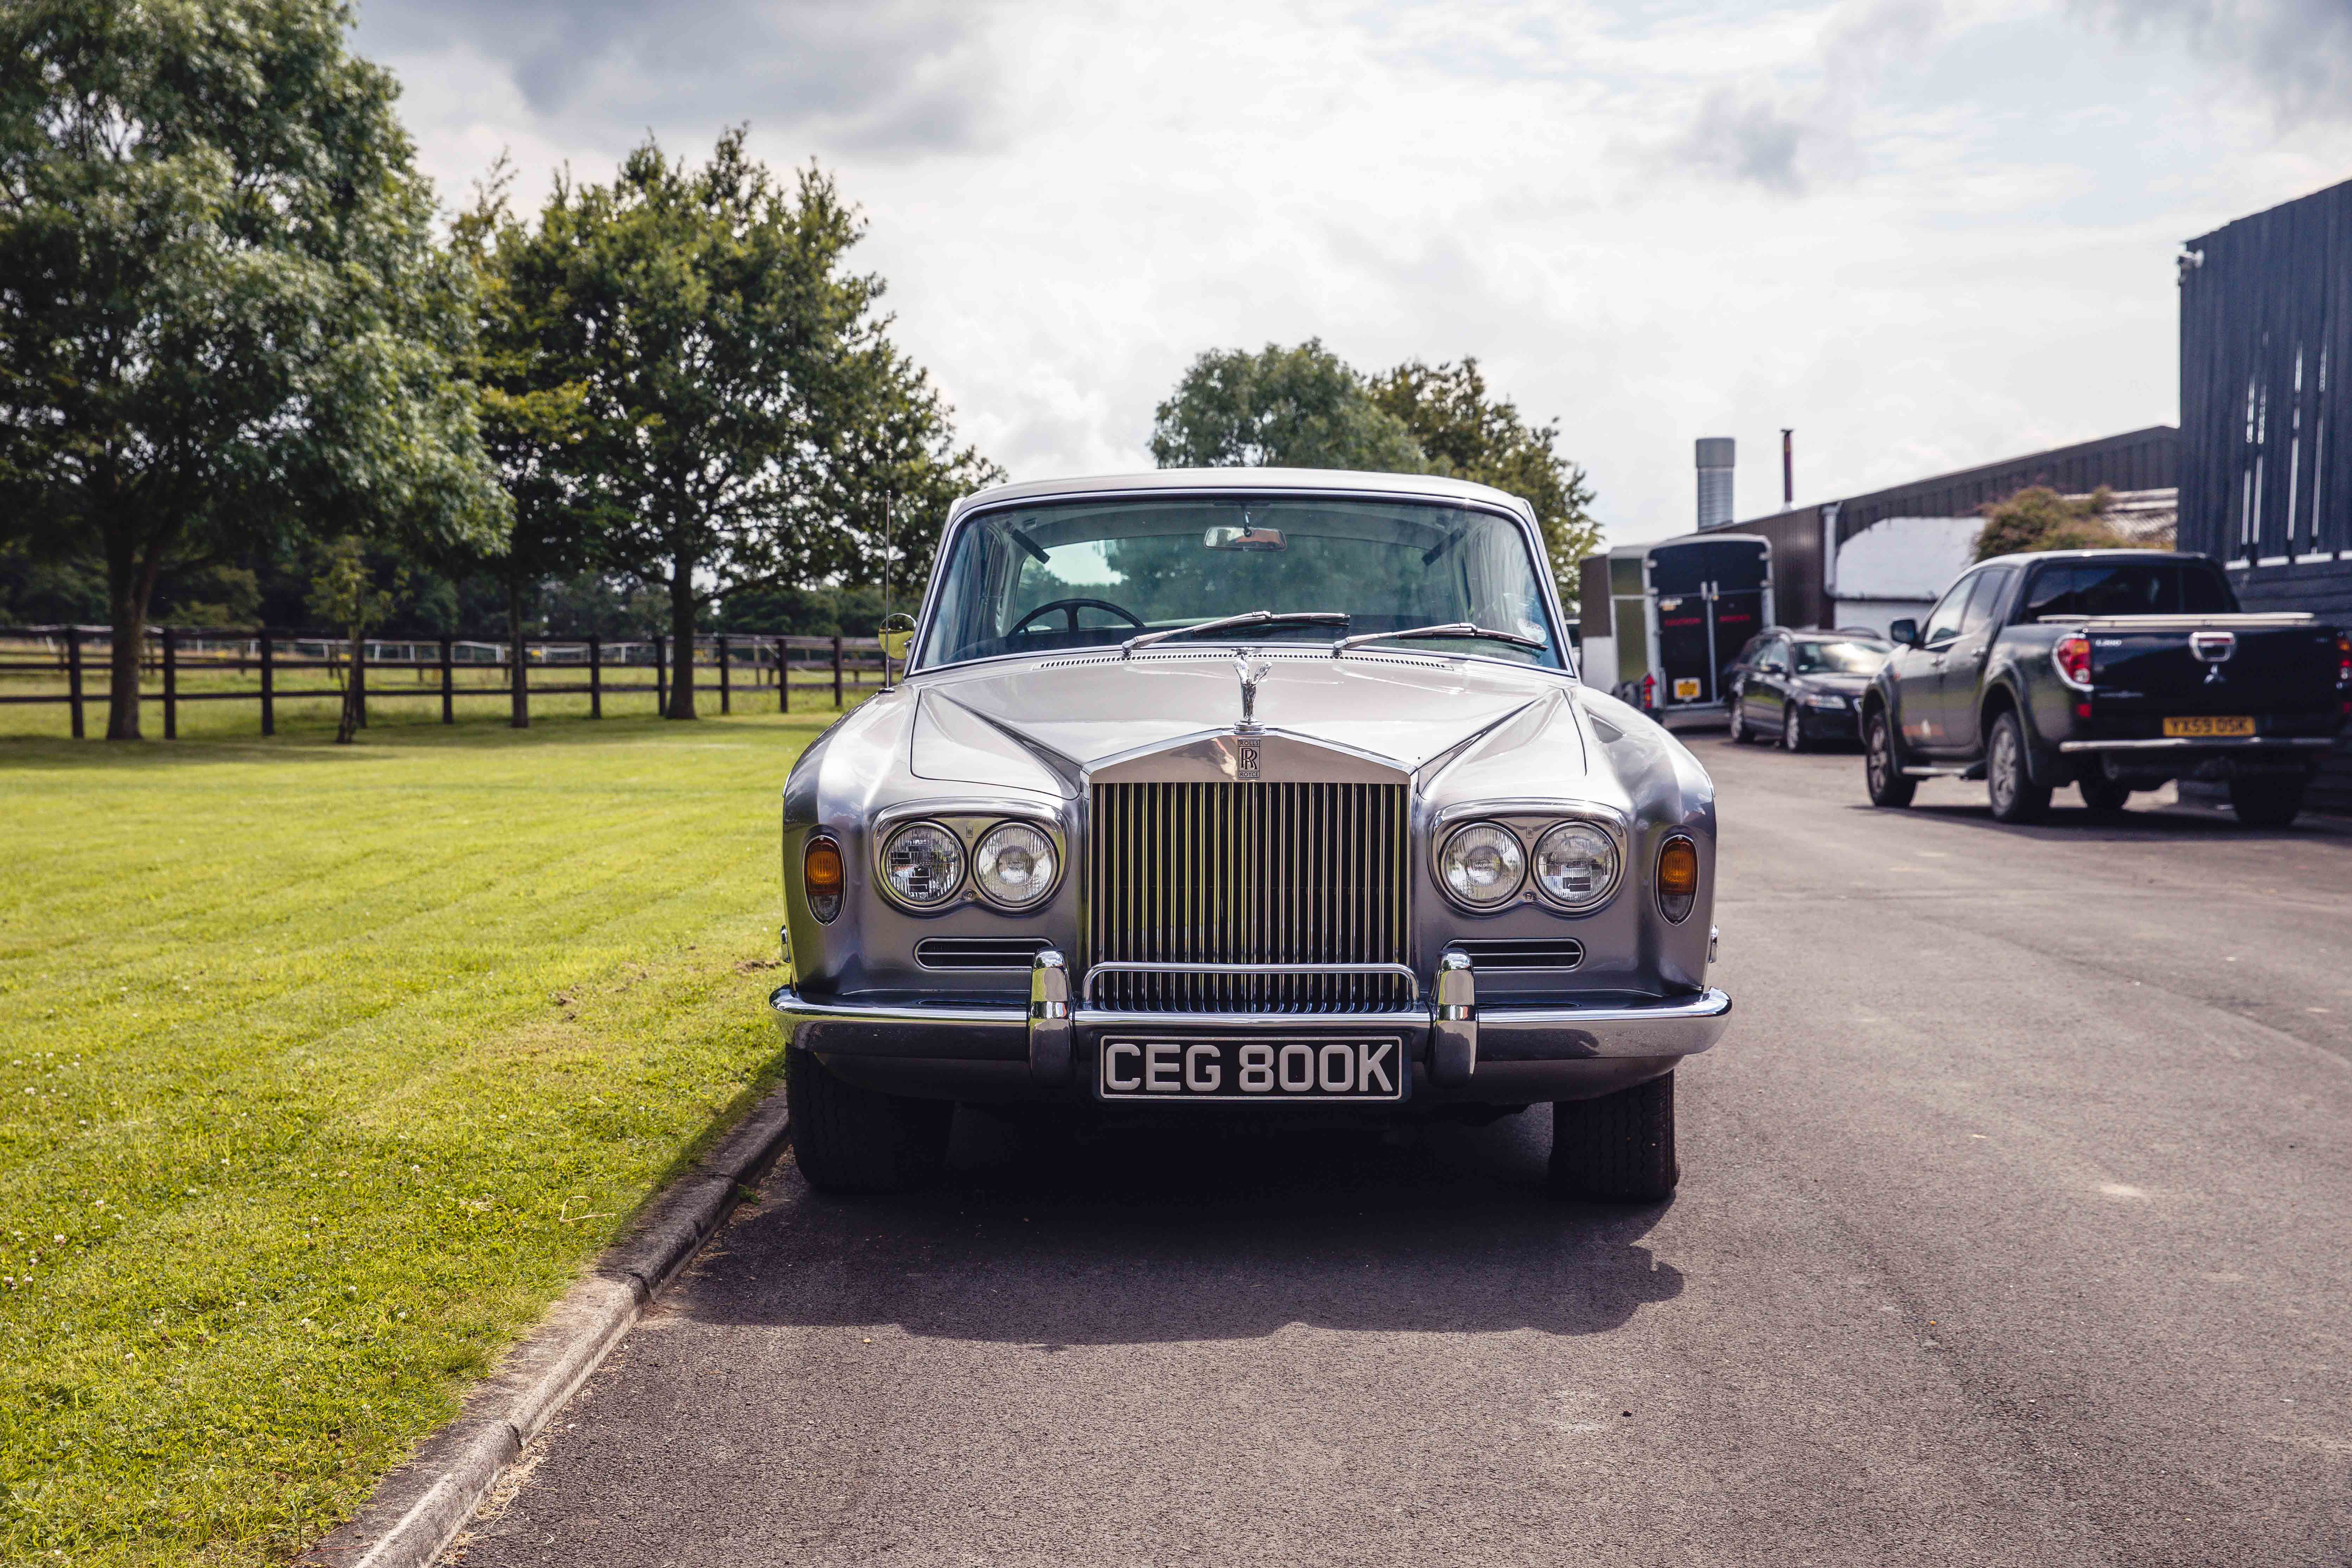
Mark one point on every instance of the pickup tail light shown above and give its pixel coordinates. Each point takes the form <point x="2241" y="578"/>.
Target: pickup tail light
<point x="1649" y="693"/>
<point x="2343" y="658"/>
<point x="2072" y="657"/>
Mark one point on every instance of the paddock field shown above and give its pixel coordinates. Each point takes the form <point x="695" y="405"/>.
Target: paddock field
<point x="323" y="1070"/>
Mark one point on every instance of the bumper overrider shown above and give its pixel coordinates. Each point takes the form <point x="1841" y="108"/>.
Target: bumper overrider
<point x="1452" y="1048"/>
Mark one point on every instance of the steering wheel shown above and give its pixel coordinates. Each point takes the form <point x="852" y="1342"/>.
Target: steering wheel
<point x="1070" y="608"/>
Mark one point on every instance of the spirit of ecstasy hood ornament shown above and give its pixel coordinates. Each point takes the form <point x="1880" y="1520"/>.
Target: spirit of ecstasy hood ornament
<point x="1252" y="668"/>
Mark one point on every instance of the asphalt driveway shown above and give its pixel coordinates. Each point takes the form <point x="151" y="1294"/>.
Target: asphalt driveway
<point x="2016" y="1229"/>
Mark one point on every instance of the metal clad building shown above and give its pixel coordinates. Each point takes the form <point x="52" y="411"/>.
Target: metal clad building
<point x="2266" y="434"/>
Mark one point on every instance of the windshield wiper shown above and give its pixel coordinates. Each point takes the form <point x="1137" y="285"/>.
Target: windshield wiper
<point x="1252" y="618"/>
<point x="1453" y="629"/>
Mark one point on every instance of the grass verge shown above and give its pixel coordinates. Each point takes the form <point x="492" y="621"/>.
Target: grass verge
<point x="323" y="1070"/>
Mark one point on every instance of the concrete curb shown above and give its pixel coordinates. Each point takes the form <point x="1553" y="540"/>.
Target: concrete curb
<point x="419" y="1508"/>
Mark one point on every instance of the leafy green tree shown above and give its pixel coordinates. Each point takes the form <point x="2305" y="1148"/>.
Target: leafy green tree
<point x="2039" y="517"/>
<point x="1470" y="434"/>
<point x="1299" y="407"/>
<point x="723" y="408"/>
<point x="221" y="315"/>
<point x="534" y="421"/>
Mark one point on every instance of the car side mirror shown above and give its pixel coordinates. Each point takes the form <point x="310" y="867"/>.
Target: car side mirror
<point x="896" y="635"/>
<point x="1903" y="632"/>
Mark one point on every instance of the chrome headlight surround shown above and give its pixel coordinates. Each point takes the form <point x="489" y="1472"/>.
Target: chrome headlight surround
<point x="1528" y="821"/>
<point x="969" y="821"/>
<point x="1613" y="861"/>
<point x="989" y="857"/>
<point x="956" y="855"/>
<point x="1453" y="859"/>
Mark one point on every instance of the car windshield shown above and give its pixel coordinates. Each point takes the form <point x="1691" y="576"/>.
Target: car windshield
<point x="1092" y="573"/>
<point x="1850" y="658"/>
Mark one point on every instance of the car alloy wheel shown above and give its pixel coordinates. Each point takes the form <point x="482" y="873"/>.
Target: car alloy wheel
<point x="1738" y="719"/>
<point x="2015" y="796"/>
<point x="1792" y="728"/>
<point x="1882" y="770"/>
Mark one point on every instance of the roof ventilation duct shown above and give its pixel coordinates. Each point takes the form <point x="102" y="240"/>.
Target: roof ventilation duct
<point x="1714" y="459"/>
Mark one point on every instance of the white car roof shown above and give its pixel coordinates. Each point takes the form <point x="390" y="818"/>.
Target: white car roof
<point x="1333" y="479"/>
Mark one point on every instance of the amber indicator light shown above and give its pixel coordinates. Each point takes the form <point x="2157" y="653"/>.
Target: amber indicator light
<point x="1678" y="868"/>
<point x="822" y="865"/>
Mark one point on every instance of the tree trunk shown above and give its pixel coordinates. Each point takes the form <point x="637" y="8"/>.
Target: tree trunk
<point x="348" y="730"/>
<point x="127" y="615"/>
<point x="681" y="631"/>
<point x="520" y="701"/>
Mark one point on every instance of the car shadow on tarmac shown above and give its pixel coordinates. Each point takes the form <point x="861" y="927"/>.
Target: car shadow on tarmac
<point x="2079" y="825"/>
<point x="1053" y="1233"/>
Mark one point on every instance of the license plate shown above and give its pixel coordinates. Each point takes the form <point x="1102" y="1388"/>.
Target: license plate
<point x="1686" y="689"/>
<point x="2203" y="725"/>
<point x="1260" y="1069"/>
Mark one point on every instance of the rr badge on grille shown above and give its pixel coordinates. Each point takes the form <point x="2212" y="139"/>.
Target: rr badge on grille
<point x="1246" y="761"/>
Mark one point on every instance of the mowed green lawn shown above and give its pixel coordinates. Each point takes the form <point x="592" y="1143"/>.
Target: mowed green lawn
<point x="323" y="1071"/>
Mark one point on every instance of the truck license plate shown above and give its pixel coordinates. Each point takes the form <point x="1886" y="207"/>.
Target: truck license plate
<point x="2203" y="725"/>
<point x="1261" y="1069"/>
<point x="1686" y="689"/>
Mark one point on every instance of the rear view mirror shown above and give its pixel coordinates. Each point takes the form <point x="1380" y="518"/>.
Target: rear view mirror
<point x="1903" y="632"/>
<point x="897" y="635"/>
<point x="1225" y="536"/>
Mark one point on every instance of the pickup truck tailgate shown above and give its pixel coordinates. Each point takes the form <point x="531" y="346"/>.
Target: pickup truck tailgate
<point x="2143" y="671"/>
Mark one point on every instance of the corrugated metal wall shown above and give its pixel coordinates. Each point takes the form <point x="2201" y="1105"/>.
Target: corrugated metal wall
<point x="2266" y="436"/>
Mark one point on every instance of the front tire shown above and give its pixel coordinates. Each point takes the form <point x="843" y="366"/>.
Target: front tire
<point x="1618" y="1149"/>
<point x="2016" y="798"/>
<point x="1882" y="764"/>
<point x="2267" y="803"/>
<point x="1736" y="720"/>
<point x="1792" y="728"/>
<point x="851" y="1139"/>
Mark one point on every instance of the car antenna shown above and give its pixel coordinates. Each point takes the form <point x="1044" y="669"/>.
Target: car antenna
<point x="886" y="587"/>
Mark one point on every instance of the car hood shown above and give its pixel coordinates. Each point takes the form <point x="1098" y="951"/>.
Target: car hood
<point x="1039" y="723"/>
<point x="1843" y="683"/>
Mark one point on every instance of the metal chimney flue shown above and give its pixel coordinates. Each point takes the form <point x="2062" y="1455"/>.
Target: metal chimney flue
<point x="1715" y="464"/>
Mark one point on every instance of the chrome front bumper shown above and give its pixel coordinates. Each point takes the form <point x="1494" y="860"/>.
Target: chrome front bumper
<point x="1458" y="1048"/>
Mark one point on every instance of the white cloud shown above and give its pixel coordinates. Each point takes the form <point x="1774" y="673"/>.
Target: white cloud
<point x="1923" y="232"/>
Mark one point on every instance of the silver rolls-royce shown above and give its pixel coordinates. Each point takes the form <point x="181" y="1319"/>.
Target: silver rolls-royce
<point x="1253" y="787"/>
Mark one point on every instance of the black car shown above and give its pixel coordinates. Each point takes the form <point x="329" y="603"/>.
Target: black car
<point x="1803" y="687"/>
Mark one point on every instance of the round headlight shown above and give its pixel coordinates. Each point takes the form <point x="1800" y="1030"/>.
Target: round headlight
<point x="923" y="864"/>
<point x="1481" y="865"/>
<point x="1013" y="864"/>
<point x="1576" y="865"/>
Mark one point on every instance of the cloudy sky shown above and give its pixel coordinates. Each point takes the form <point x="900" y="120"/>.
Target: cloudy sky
<point x="1923" y="233"/>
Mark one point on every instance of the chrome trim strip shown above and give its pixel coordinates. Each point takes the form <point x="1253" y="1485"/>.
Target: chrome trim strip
<point x="1122" y="966"/>
<point x="2189" y="743"/>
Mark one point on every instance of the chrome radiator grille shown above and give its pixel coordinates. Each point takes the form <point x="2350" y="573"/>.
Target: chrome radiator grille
<point x="1248" y="873"/>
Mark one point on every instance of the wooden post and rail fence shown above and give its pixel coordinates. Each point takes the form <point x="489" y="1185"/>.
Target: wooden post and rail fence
<point x="180" y="665"/>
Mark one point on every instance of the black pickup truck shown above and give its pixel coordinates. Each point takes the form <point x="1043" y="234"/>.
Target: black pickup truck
<point x="2111" y="670"/>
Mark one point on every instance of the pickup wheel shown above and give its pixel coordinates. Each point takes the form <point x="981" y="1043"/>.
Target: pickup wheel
<point x="1617" y="1149"/>
<point x="2015" y="796"/>
<point x="2267" y="803"/>
<point x="1882" y="763"/>
<point x="851" y="1139"/>
<point x="2102" y="793"/>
